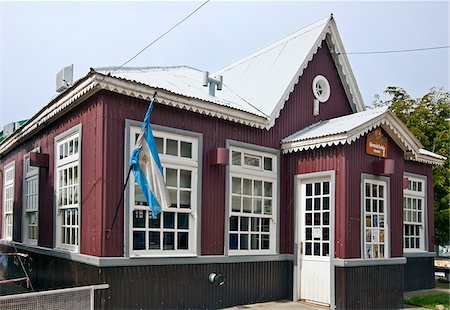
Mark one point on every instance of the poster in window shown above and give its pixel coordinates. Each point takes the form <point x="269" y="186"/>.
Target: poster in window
<point x="369" y="251"/>
<point x="368" y="221"/>
<point x="375" y="221"/>
<point x="381" y="250"/>
<point x="375" y="250"/>
<point x="381" y="220"/>
<point x="375" y="237"/>
<point x="382" y="235"/>
<point x="368" y="235"/>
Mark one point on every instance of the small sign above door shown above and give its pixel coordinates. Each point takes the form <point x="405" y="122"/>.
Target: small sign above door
<point x="376" y="144"/>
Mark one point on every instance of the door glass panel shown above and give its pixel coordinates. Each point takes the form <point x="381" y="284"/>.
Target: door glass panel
<point x="316" y="219"/>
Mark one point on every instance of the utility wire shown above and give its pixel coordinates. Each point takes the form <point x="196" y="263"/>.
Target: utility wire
<point x="245" y="100"/>
<point x="397" y="51"/>
<point x="161" y="36"/>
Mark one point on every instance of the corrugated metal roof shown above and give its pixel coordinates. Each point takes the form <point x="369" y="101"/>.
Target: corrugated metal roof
<point x="349" y="128"/>
<point x="246" y="81"/>
<point x="331" y="127"/>
<point x="181" y="80"/>
<point x="275" y="68"/>
<point x="431" y="154"/>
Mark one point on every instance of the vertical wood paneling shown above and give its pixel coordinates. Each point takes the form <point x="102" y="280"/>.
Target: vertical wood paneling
<point x="86" y="114"/>
<point x="374" y="287"/>
<point x="419" y="273"/>
<point x="164" y="286"/>
<point x="321" y="159"/>
<point x="425" y="170"/>
<point x="296" y="115"/>
<point x="360" y="162"/>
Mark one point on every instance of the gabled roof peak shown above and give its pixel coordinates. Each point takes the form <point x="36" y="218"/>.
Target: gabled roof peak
<point x="302" y="31"/>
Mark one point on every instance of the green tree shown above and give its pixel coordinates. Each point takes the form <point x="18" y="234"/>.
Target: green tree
<point x="428" y="118"/>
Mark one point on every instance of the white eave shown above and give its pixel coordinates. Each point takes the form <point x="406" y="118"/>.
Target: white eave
<point x="94" y="82"/>
<point x="214" y="108"/>
<point x="347" y="129"/>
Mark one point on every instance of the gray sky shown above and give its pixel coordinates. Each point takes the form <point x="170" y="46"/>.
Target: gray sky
<point x="39" y="38"/>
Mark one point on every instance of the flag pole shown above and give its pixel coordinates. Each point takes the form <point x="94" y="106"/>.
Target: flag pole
<point x="123" y="191"/>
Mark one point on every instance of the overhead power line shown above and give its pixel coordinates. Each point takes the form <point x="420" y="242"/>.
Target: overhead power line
<point x="161" y="36"/>
<point x="397" y="51"/>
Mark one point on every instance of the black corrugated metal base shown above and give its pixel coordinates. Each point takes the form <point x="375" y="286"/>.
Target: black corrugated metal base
<point x="168" y="286"/>
<point x="419" y="273"/>
<point x="369" y="287"/>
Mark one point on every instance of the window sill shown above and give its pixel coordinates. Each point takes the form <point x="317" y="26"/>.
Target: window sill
<point x="360" y="262"/>
<point x="162" y="255"/>
<point x="60" y="248"/>
<point x="259" y="253"/>
<point x="418" y="254"/>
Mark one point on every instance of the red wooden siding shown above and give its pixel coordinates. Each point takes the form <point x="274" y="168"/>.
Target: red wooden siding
<point x="360" y="162"/>
<point x="322" y="159"/>
<point x="425" y="170"/>
<point x="296" y="115"/>
<point x="89" y="115"/>
<point x="103" y="124"/>
<point x="350" y="161"/>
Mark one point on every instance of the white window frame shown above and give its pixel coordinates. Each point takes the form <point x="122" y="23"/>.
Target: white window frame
<point x="377" y="239"/>
<point x="30" y="175"/>
<point x="9" y="172"/>
<point x="69" y="161"/>
<point x="258" y="174"/>
<point x="178" y="163"/>
<point x="417" y="199"/>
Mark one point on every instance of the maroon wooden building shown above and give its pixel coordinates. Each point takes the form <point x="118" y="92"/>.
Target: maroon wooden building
<point x="280" y="180"/>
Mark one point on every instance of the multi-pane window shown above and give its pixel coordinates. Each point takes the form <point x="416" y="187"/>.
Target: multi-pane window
<point x="8" y="201"/>
<point x="173" y="231"/>
<point x="67" y="187"/>
<point x="31" y="201"/>
<point x="375" y="224"/>
<point x="317" y="218"/>
<point x="413" y="214"/>
<point x="252" y="202"/>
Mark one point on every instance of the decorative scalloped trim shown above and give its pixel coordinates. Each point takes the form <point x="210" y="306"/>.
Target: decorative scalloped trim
<point x="179" y="105"/>
<point x="49" y="113"/>
<point x="380" y="120"/>
<point x="296" y="79"/>
<point x="341" y="65"/>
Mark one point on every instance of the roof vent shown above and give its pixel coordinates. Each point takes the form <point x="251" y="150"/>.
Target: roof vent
<point x="64" y="78"/>
<point x="213" y="82"/>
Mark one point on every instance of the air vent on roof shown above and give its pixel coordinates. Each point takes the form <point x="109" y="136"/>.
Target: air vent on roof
<point x="213" y="82"/>
<point x="64" y="78"/>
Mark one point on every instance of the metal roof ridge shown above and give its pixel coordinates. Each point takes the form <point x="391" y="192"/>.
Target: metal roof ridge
<point x="144" y="68"/>
<point x="269" y="47"/>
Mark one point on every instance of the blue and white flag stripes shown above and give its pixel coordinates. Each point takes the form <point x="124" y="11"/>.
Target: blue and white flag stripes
<point x="147" y="169"/>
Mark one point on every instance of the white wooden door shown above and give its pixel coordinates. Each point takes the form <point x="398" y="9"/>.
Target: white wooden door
<point x="315" y="240"/>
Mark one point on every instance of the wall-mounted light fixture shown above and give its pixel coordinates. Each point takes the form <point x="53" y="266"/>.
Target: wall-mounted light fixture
<point x="216" y="278"/>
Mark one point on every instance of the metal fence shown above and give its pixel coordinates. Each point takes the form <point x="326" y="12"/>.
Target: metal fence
<point x="68" y="298"/>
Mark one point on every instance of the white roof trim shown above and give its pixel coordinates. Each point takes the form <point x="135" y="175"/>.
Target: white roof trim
<point x="55" y="109"/>
<point x="427" y="157"/>
<point x="94" y="82"/>
<point x="411" y="146"/>
<point x="143" y="91"/>
<point x="343" y="67"/>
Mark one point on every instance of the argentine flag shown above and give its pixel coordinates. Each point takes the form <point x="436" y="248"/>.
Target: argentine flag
<point x="147" y="169"/>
